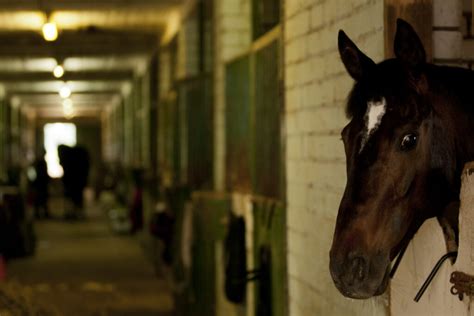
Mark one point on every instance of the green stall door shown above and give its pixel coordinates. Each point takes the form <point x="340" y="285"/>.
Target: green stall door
<point x="237" y="117"/>
<point x="270" y="234"/>
<point x="266" y="137"/>
<point x="196" y="117"/>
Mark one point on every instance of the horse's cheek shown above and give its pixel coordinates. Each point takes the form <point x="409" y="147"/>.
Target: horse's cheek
<point x="404" y="185"/>
<point x="397" y="225"/>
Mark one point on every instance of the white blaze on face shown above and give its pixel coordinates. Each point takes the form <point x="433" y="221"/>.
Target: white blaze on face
<point x="373" y="117"/>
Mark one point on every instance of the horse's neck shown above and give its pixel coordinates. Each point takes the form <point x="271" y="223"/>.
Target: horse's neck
<point x="453" y="98"/>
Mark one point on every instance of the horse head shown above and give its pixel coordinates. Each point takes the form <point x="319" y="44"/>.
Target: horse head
<point x="399" y="170"/>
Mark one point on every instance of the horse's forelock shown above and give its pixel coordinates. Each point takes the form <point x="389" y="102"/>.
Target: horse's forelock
<point x="356" y="102"/>
<point x="404" y="90"/>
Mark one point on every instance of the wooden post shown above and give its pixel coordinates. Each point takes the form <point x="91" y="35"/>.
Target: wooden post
<point x="465" y="261"/>
<point x="419" y="13"/>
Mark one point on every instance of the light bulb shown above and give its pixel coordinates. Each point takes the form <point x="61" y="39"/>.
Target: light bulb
<point x="65" y="92"/>
<point x="50" y="31"/>
<point x="58" y="71"/>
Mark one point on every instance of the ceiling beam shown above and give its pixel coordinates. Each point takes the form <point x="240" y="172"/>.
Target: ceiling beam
<point x="39" y="103"/>
<point x="119" y="75"/>
<point x="58" y="113"/>
<point x="53" y="5"/>
<point x="21" y="93"/>
<point x="83" y="43"/>
<point x="54" y="97"/>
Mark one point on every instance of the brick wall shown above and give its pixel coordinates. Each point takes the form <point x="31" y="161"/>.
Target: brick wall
<point x="231" y="38"/>
<point x="316" y="86"/>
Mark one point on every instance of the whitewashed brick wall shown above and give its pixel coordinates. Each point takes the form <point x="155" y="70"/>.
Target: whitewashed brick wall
<point x="316" y="87"/>
<point x="231" y="38"/>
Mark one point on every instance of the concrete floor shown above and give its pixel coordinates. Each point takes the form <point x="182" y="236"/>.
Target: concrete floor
<point x="82" y="268"/>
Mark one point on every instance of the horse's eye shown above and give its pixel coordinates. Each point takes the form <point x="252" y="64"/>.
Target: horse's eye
<point x="408" y="142"/>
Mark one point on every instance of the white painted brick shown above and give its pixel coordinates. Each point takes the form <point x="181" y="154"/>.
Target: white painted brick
<point x="328" y="38"/>
<point x="314" y="43"/>
<point x="298" y="292"/>
<point x="327" y="119"/>
<point x="297" y="177"/>
<point x="298" y="25"/>
<point x="294" y="99"/>
<point x="296" y="310"/>
<point x="342" y="90"/>
<point x="316" y="64"/>
<point x="325" y="202"/>
<point x="317" y="17"/>
<point x="294" y="6"/>
<point x="296" y="242"/>
<point x="296" y="194"/>
<point x="296" y="50"/>
<point x="291" y="123"/>
<point x="317" y="86"/>
<point x="327" y="174"/>
<point x="304" y="75"/>
<point x="294" y="148"/>
<point x="334" y="65"/>
<point x="312" y="95"/>
<point x="296" y="221"/>
<point x="325" y="147"/>
<point x="291" y="76"/>
<point x="373" y="48"/>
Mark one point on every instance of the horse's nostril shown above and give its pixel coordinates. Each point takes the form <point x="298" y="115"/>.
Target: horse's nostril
<point x="357" y="268"/>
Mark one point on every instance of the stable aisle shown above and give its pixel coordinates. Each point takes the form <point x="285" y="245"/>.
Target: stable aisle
<point x="82" y="268"/>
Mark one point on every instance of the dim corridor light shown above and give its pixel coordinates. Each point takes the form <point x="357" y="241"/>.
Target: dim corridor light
<point x="68" y="108"/>
<point x="65" y="92"/>
<point x="67" y="103"/>
<point x="50" y="31"/>
<point x="58" y="71"/>
<point x="68" y="112"/>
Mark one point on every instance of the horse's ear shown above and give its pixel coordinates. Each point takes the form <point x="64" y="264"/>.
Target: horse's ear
<point x="408" y="47"/>
<point x="356" y="62"/>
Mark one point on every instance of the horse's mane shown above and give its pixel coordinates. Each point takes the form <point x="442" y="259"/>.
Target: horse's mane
<point x="455" y="82"/>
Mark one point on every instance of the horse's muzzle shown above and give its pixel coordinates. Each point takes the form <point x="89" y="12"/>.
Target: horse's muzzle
<point x="359" y="276"/>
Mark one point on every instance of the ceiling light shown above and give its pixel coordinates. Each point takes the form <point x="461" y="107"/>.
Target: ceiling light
<point x="58" y="71"/>
<point x="65" y="92"/>
<point x="67" y="103"/>
<point x="50" y="31"/>
<point x="68" y="112"/>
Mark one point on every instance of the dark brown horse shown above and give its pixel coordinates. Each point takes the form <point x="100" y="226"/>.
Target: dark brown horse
<point x="410" y="134"/>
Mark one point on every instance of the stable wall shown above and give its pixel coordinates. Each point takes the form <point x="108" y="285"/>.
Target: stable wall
<point x="231" y="35"/>
<point x="231" y="38"/>
<point x="316" y="86"/>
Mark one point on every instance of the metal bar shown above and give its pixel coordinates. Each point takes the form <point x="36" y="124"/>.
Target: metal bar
<point x="398" y="260"/>
<point x="433" y="274"/>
